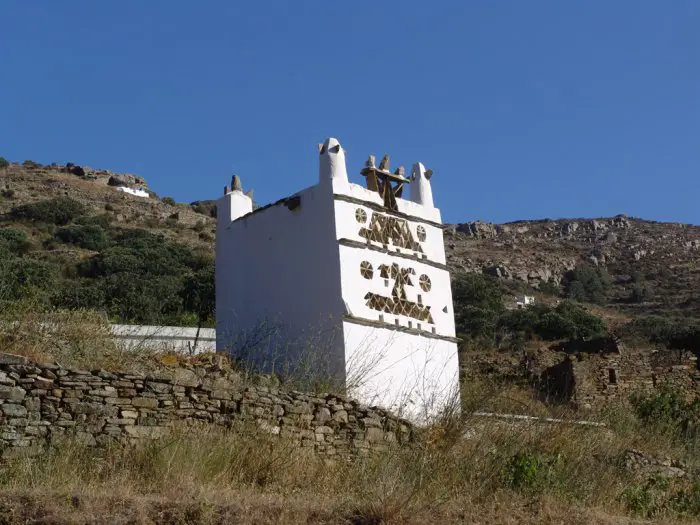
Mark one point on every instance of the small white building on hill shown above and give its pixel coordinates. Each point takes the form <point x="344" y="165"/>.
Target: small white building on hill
<point x="342" y="283"/>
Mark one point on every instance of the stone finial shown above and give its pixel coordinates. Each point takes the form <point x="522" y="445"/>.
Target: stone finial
<point x="370" y="163"/>
<point x="236" y="184"/>
<point x="227" y="190"/>
<point x="249" y="194"/>
<point x="332" y="162"/>
<point x="421" y="189"/>
<point x="400" y="171"/>
<point x="384" y="164"/>
<point x="428" y="174"/>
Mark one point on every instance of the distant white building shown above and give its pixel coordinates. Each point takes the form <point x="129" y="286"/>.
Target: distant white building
<point x="523" y="301"/>
<point x="342" y="282"/>
<point x="137" y="192"/>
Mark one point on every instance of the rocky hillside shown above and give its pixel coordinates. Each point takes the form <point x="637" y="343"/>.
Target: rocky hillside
<point x="653" y="266"/>
<point x="76" y="237"/>
<point x="29" y="182"/>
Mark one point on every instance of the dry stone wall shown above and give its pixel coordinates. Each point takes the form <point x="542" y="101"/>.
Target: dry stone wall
<point x="42" y="402"/>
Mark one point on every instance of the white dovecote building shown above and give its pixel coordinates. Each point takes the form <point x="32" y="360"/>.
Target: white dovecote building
<point x="344" y="284"/>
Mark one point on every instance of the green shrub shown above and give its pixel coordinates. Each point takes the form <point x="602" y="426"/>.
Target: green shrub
<point x="4" y="163"/>
<point x="477" y="304"/>
<point x="519" y="321"/>
<point x="668" y="409"/>
<point x="59" y="211"/>
<point x="587" y="283"/>
<point x="680" y="333"/>
<point x="554" y="326"/>
<point x="81" y="293"/>
<point x="208" y="210"/>
<point x="198" y="293"/>
<point x="20" y="276"/>
<point x="88" y="236"/>
<point x="169" y="200"/>
<point x="141" y="299"/>
<point x="103" y="221"/>
<point x="586" y="326"/>
<point x="532" y="472"/>
<point x="640" y="293"/>
<point x="482" y="320"/>
<point x="550" y="288"/>
<point x="14" y="240"/>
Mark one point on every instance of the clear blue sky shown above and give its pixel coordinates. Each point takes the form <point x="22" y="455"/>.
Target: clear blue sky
<point x="524" y="109"/>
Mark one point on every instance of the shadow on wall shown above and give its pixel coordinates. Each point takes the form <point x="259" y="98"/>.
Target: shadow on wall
<point x="307" y="361"/>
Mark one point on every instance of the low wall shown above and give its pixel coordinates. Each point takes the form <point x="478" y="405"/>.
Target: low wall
<point x="40" y="402"/>
<point x="183" y="339"/>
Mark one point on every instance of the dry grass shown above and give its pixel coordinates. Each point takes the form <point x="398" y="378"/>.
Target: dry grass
<point x="79" y="339"/>
<point x="206" y="475"/>
<point x="498" y="473"/>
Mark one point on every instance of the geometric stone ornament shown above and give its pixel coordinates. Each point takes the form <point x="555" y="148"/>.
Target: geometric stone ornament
<point x="398" y="304"/>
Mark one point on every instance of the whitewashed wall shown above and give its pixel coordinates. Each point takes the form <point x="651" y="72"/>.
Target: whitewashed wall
<point x="299" y="271"/>
<point x="412" y="375"/>
<point x="279" y="269"/>
<point x="416" y="375"/>
<point x="171" y="338"/>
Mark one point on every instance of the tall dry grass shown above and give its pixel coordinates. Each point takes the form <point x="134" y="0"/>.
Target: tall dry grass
<point x="77" y="338"/>
<point x="498" y="473"/>
<point x="464" y="468"/>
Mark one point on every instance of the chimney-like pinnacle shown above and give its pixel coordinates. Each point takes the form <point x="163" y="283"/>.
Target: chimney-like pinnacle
<point x="236" y="184"/>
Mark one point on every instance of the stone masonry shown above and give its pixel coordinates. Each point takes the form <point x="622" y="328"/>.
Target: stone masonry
<point x="42" y="402"/>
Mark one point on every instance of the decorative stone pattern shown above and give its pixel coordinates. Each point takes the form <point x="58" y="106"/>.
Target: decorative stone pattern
<point x="398" y="303"/>
<point x="385" y="229"/>
<point x="42" y="402"/>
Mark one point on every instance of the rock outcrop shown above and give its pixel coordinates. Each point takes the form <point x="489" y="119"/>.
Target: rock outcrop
<point x="539" y="252"/>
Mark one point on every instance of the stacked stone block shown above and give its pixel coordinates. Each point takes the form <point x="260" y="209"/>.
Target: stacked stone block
<point x="40" y="403"/>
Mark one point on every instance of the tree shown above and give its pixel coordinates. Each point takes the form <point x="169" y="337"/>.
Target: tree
<point x="586" y="283"/>
<point x="585" y="325"/>
<point x="477" y="304"/>
<point x="199" y="295"/>
<point x="4" y="162"/>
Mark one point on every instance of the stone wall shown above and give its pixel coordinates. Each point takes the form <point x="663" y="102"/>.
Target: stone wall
<point x="41" y="402"/>
<point x="589" y="379"/>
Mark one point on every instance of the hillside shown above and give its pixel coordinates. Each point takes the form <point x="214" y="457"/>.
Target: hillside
<point x="658" y="258"/>
<point x="653" y="267"/>
<point x="617" y="314"/>
<point x="76" y="238"/>
<point x="73" y="239"/>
